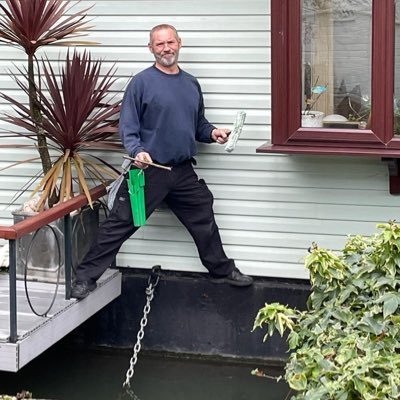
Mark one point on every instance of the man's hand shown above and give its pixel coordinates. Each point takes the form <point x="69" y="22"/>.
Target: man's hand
<point x="220" y="135"/>
<point x="142" y="156"/>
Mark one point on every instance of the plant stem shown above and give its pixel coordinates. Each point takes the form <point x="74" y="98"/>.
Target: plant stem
<point x="37" y="118"/>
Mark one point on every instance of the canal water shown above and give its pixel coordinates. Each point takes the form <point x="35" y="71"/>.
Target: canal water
<point x="68" y="373"/>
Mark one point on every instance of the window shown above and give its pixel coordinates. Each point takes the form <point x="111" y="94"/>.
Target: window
<point x="335" y="77"/>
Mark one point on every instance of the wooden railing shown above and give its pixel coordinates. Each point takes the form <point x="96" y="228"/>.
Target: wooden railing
<point x="31" y="224"/>
<point x="46" y="217"/>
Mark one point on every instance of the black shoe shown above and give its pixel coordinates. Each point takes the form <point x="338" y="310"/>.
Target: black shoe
<point x="235" y="278"/>
<point x="80" y="290"/>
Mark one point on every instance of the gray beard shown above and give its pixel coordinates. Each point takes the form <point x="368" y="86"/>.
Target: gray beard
<point x="167" y="62"/>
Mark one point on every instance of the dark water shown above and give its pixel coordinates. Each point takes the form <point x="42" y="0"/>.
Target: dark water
<point x="63" y="373"/>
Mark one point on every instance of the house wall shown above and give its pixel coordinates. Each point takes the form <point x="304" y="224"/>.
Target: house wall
<point x="269" y="207"/>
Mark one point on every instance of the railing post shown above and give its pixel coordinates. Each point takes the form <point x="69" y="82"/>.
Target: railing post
<point x="68" y="255"/>
<point x="12" y="273"/>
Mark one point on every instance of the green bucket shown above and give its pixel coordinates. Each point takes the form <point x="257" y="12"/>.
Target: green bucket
<point x="136" y="195"/>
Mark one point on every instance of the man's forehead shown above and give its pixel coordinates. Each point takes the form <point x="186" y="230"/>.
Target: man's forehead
<point x="164" y="34"/>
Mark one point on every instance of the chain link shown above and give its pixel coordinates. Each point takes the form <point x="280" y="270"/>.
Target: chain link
<point x="152" y="283"/>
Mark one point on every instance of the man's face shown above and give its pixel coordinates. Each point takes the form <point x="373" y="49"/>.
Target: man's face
<point x="165" y="47"/>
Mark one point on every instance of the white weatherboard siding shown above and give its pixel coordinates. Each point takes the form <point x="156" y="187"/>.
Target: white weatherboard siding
<point x="269" y="207"/>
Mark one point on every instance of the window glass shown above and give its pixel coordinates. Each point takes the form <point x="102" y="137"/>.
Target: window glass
<point x="336" y="63"/>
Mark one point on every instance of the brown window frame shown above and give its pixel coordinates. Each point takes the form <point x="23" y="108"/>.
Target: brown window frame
<point x="287" y="136"/>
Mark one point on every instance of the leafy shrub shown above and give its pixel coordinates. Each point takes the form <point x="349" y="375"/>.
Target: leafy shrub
<point x="345" y="346"/>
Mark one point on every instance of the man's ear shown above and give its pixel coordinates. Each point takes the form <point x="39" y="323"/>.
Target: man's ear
<point x="150" y="48"/>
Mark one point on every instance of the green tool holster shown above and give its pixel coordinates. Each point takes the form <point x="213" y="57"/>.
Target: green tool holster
<point x="136" y="194"/>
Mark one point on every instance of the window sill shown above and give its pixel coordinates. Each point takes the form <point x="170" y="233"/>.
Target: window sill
<point x="328" y="151"/>
<point x="391" y="156"/>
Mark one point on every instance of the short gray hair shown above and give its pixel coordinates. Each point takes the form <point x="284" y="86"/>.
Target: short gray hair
<point x="163" y="26"/>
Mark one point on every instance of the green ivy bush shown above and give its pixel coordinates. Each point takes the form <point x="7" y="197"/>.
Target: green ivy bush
<point x="346" y="345"/>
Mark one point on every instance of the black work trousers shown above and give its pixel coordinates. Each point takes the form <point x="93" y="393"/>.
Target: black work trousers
<point x="190" y="200"/>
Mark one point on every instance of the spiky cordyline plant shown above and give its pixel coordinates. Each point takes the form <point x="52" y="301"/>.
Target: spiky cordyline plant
<point x="77" y="114"/>
<point x="30" y="24"/>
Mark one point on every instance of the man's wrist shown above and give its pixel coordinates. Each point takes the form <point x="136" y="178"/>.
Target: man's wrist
<point x="137" y="151"/>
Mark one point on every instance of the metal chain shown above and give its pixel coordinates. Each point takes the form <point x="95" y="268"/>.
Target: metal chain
<point x="152" y="283"/>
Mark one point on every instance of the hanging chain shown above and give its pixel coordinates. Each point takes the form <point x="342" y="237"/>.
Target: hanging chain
<point x="151" y="285"/>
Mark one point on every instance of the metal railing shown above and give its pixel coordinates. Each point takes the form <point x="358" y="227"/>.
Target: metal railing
<point x="31" y="224"/>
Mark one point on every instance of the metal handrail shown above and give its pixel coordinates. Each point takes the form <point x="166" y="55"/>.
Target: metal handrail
<point x="16" y="231"/>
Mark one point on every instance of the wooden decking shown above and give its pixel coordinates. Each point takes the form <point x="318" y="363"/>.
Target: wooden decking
<point x="37" y="334"/>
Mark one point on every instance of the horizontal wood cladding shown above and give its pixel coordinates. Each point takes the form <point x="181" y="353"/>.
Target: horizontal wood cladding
<point x="178" y="7"/>
<point x="269" y="207"/>
<point x="141" y="54"/>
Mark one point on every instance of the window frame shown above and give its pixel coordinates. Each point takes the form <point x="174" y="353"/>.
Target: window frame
<point x="287" y="136"/>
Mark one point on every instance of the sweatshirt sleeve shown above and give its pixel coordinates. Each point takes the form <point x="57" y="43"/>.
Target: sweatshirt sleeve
<point x="204" y="128"/>
<point x="129" y="122"/>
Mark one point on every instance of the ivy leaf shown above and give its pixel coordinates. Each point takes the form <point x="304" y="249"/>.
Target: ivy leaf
<point x="326" y="365"/>
<point x="316" y="299"/>
<point x="345" y="293"/>
<point x="316" y="394"/>
<point x="345" y="356"/>
<point x="342" y="315"/>
<point x="359" y="283"/>
<point x="394" y="388"/>
<point x="293" y="340"/>
<point x="279" y="325"/>
<point x="385" y="281"/>
<point x="369" y="324"/>
<point x="360" y="386"/>
<point x="298" y="382"/>
<point x="390" y="305"/>
<point x="343" y="395"/>
<point x="395" y="319"/>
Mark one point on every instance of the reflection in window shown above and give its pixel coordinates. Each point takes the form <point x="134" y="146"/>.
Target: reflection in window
<point x="336" y="63"/>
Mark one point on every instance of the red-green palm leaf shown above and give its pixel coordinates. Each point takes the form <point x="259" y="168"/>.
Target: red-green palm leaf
<point x="77" y="109"/>
<point x="77" y="114"/>
<point x="31" y="24"/>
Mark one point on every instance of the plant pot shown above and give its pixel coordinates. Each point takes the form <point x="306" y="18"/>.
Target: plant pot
<point x="312" y="119"/>
<point x="42" y="252"/>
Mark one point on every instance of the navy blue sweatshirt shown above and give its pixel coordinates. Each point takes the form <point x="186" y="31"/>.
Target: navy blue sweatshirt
<point x="163" y="114"/>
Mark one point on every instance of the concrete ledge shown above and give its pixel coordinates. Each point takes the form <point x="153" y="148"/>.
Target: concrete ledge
<point x="191" y="315"/>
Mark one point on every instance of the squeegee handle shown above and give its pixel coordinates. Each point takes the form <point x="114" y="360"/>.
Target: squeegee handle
<point x="149" y="163"/>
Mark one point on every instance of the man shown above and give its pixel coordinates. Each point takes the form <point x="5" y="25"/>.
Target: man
<point x="162" y="116"/>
